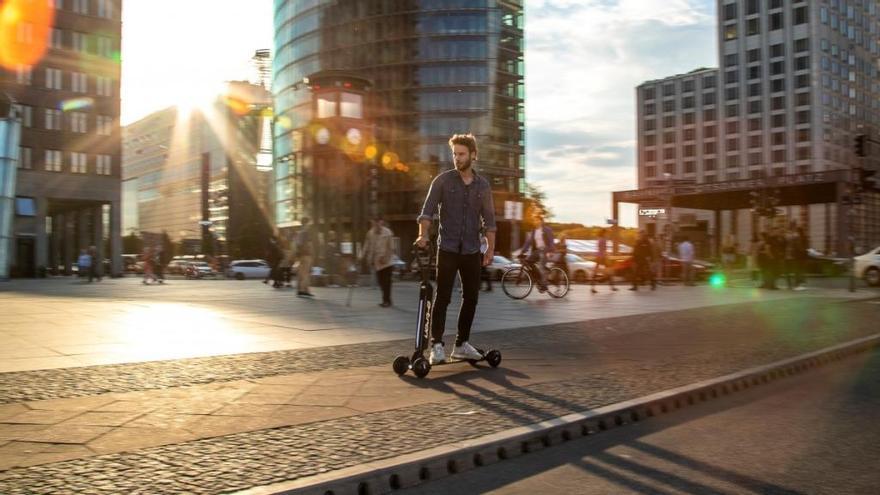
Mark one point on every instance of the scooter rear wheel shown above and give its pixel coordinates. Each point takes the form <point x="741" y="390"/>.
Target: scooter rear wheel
<point x="421" y="367"/>
<point x="401" y="365"/>
<point x="493" y="357"/>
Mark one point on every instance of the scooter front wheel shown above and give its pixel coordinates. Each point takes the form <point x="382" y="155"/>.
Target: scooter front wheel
<point x="493" y="357"/>
<point x="401" y="365"/>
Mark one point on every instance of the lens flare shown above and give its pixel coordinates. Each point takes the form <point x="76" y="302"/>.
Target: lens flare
<point x="717" y="280"/>
<point x="76" y="104"/>
<point x="25" y="27"/>
<point x="370" y="152"/>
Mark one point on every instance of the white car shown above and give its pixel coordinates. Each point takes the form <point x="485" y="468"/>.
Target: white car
<point x="579" y="269"/>
<point x="497" y="266"/>
<point x="242" y="269"/>
<point x="867" y="266"/>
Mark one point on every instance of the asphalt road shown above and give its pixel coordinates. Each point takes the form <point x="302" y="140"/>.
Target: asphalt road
<point x="813" y="434"/>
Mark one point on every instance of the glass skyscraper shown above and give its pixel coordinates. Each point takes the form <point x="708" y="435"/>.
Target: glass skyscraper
<point x="437" y="67"/>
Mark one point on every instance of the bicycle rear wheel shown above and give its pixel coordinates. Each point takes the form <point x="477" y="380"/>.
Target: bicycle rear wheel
<point x="516" y="283"/>
<point x="557" y="282"/>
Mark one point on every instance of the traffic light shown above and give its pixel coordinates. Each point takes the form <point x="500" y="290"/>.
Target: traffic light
<point x="859" y="144"/>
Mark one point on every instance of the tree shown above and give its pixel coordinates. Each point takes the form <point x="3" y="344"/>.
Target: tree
<point x="536" y="201"/>
<point x="132" y="243"/>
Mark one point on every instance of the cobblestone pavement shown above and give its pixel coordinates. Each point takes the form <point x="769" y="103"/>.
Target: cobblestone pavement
<point x="614" y="360"/>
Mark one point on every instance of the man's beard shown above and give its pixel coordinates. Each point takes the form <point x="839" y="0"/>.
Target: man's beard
<point x="464" y="166"/>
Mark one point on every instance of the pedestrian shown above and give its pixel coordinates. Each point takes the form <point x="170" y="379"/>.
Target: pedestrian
<point x="795" y="257"/>
<point x="160" y="260"/>
<point x="149" y="266"/>
<point x="331" y="260"/>
<point x="304" y="252"/>
<point x="464" y="201"/>
<point x="273" y="259"/>
<point x="561" y="259"/>
<point x="686" y="257"/>
<point x="642" y="259"/>
<point x="602" y="262"/>
<point x="752" y="259"/>
<point x="657" y="260"/>
<point x="378" y="252"/>
<point x="728" y="257"/>
<point x="94" y="269"/>
<point x="765" y="262"/>
<point x="777" y="255"/>
<point x="286" y="263"/>
<point x="84" y="265"/>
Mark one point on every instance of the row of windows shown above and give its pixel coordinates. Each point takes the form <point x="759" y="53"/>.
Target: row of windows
<point x="774" y="21"/>
<point x="753" y="107"/>
<point x="732" y="146"/>
<point x="77" y="121"/>
<point x="445" y="75"/>
<point x="709" y="166"/>
<point x="464" y="100"/>
<point x="78" y="163"/>
<point x="732" y="128"/>
<point x="430" y="49"/>
<point x="81" y="42"/>
<point x="452" y="23"/>
<point x="734" y="160"/>
<point x="687" y="86"/>
<point x="54" y="79"/>
<point x="103" y="8"/>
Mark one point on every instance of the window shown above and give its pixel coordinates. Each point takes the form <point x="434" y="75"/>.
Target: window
<point x="777" y="68"/>
<point x="755" y="124"/>
<point x="81" y="6"/>
<point x="24" y="74"/>
<point x="25" y="113"/>
<point x="800" y="15"/>
<point x="650" y="156"/>
<point x="803" y="135"/>
<point x="730" y="12"/>
<point x="650" y="125"/>
<point x="732" y="144"/>
<point x="689" y="167"/>
<point x="732" y="128"/>
<point x="802" y="63"/>
<point x="709" y="98"/>
<point x="78" y="82"/>
<point x="802" y="81"/>
<point x="688" y="118"/>
<point x="732" y="110"/>
<point x="53" y="119"/>
<point x="731" y="59"/>
<point x="755" y="72"/>
<point x="650" y="109"/>
<point x="103" y="165"/>
<point x="709" y="82"/>
<point x="669" y="168"/>
<point x="730" y="32"/>
<point x="77" y="162"/>
<point x="25" y="157"/>
<point x="753" y="55"/>
<point x="755" y="141"/>
<point x="803" y="117"/>
<point x="777" y="120"/>
<point x="778" y="138"/>
<point x="105" y="86"/>
<point x="755" y="106"/>
<point x="669" y="154"/>
<point x="105" y="125"/>
<point x="731" y="76"/>
<point x="650" y="171"/>
<point x="649" y="93"/>
<point x="753" y="27"/>
<point x="753" y="7"/>
<point x="53" y="161"/>
<point x="777" y="50"/>
<point x="687" y="102"/>
<point x="689" y="150"/>
<point x="669" y="121"/>
<point x="25" y="207"/>
<point x="53" y="78"/>
<point x="709" y="148"/>
<point x="669" y="106"/>
<point x="732" y="161"/>
<point x="802" y="99"/>
<point x="731" y="93"/>
<point x="754" y="89"/>
<point x="327" y="105"/>
<point x="351" y="106"/>
<point x="755" y="158"/>
<point x="777" y="85"/>
<point x="803" y="153"/>
<point x="80" y="42"/>
<point x="709" y="164"/>
<point x="689" y="134"/>
<point x="668" y="89"/>
<point x="687" y="86"/>
<point x="650" y="140"/>
<point x="777" y="103"/>
<point x="709" y="114"/>
<point x="105" y="9"/>
<point x="56" y="41"/>
<point x="669" y="137"/>
<point x="709" y="131"/>
<point x="779" y="156"/>
<point x="78" y="122"/>
<point x="802" y="45"/>
<point x="775" y="21"/>
<point x="105" y="46"/>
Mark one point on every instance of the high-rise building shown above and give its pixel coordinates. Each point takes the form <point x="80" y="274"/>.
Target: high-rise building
<point x="68" y="185"/>
<point x="772" y="131"/>
<point x="200" y="175"/>
<point x="435" y="67"/>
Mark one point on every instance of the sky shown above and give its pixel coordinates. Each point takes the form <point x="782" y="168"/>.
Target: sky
<point x="584" y="59"/>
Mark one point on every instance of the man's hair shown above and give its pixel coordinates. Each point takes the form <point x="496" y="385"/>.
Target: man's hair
<point x="464" y="139"/>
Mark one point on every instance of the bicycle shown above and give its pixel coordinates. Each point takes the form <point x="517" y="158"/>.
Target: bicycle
<point x="518" y="280"/>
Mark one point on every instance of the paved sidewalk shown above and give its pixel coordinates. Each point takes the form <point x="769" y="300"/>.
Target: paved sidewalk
<point x="65" y="323"/>
<point x="228" y="433"/>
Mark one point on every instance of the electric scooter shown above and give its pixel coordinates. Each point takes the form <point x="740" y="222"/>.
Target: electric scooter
<point x="418" y="363"/>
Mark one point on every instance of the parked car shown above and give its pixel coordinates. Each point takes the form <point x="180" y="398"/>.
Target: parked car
<point x="821" y="264"/>
<point x="867" y="266"/>
<point x="199" y="269"/>
<point x="176" y="267"/>
<point x="242" y="269"/>
<point x="579" y="269"/>
<point x="497" y="267"/>
<point x="672" y="268"/>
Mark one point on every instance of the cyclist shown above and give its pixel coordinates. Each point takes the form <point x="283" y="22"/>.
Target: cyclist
<point x="538" y="245"/>
<point x="464" y="200"/>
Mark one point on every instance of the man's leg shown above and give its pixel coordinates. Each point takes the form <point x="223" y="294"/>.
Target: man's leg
<point x="447" y="265"/>
<point x="385" y="283"/>
<point x="304" y="274"/>
<point x="469" y="269"/>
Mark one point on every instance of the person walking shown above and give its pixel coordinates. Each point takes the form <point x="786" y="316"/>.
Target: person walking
<point x="686" y="256"/>
<point x="728" y="257"/>
<point x="752" y="259"/>
<point x="304" y="252"/>
<point x="765" y="262"/>
<point x="84" y="265"/>
<point x="332" y="256"/>
<point x="284" y="266"/>
<point x="642" y="258"/>
<point x="149" y="260"/>
<point x="94" y="269"/>
<point x="161" y="259"/>
<point x="464" y="201"/>
<point x="378" y="252"/>
<point x="274" y="257"/>
<point x="603" y="262"/>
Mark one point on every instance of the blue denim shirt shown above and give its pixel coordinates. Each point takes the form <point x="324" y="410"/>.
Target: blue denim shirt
<point x="464" y="211"/>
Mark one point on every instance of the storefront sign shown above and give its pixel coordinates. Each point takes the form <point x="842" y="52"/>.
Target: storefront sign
<point x="651" y="212"/>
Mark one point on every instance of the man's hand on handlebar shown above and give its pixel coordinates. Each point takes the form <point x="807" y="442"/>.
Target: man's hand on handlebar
<point x="421" y="242"/>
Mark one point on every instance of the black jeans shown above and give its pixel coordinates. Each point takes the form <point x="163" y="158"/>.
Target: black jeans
<point x="468" y="267"/>
<point x="383" y="276"/>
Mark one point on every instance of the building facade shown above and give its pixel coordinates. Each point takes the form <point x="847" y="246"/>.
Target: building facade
<point x="68" y="185"/>
<point x="774" y="125"/>
<point x="436" y="68"/>
<point x="201" y="176"/>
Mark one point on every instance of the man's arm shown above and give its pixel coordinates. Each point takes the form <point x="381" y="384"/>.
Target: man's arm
<point x="490" y="248"/>
<point x="488" y="214"/>
<point x="428" y="210"/>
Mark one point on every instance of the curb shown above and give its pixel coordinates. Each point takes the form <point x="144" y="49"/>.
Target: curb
<point x="409" y="470"/>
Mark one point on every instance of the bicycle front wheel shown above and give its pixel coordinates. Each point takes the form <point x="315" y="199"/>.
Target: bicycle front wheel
<point x="557" y="282"/>
<point x="516" y="283"/>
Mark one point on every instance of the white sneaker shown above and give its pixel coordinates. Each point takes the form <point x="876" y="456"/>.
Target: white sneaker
<point x="466" y="351"/>
<point x="438" y="355"/>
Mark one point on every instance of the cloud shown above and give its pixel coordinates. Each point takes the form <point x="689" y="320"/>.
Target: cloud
<point x="583" y="62"/>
